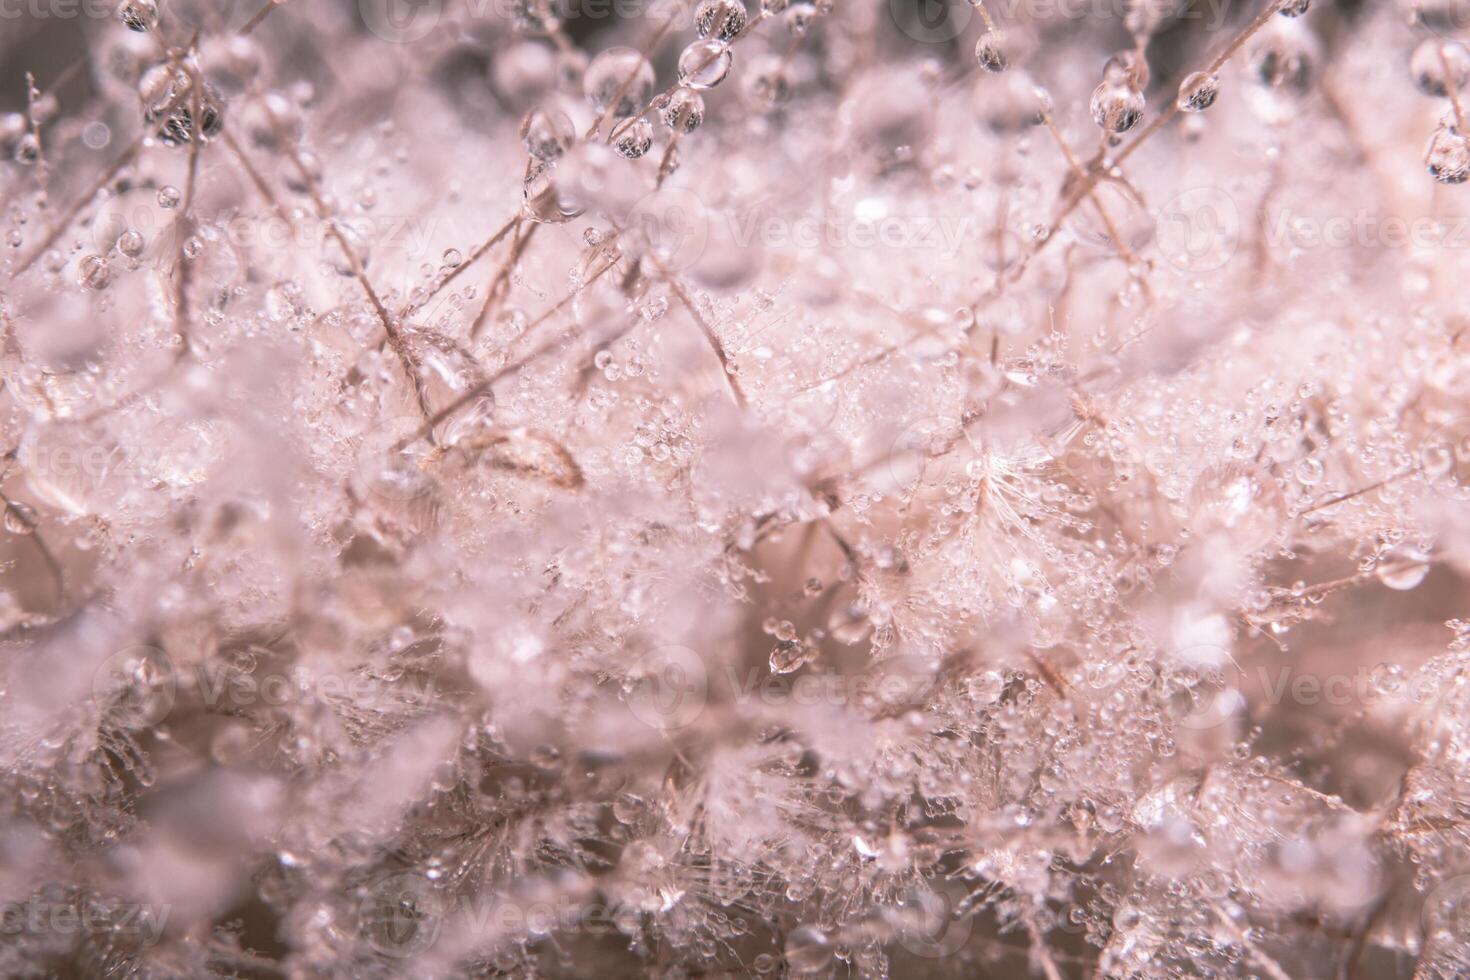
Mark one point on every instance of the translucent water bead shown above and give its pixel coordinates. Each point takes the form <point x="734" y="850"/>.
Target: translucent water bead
<point x="683" y="110"/>
<point x="722" y="19"/>
<point x="1439" y="67"/>
<point x="1198" y="92"/>
<point x="634" y="139"/>
<point x="767" y="84"/>
<point x="704" y="64"/>
<point x="138" y="15"/>
<point x="1448" y="156"/>
<point x="990" y="54"/>
<point x="620" y="80"/>
<point x="1116" y="108"/>
<point x="546" y="133"/>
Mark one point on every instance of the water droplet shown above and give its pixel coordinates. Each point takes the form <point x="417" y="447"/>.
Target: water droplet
<point x="1309" y="471"/>
<point x="1387" y="678"/>
<point x="1198" y="91"/>
<point x="19" y="518"/>
<point x="799" y="17"/>
<point x="138" y="15"/>
<point x="767" y="84"/>
<point x="986" y="686"/>
<point x="989" y="53"/>
<point x="634" y="139"/>
<point x="1293" y="8"/>
<point x="789" y="656"/>
<point x="683" y="110"/>
<point x="808" y="951"/>
<point x="1448" y="156"/>
<point x="131" y="243"/>
<point x="546" y="133"/>
<point x="1281" y="64"/>
<point x="169" y="196"/>
<point x="1116" y="108"/>
<point x="704" y="64"/>
<point x="93" y="272"/>
<point x="27" y="150"/>
<point x="1438" y="66"/>
<point x="620" y="80"/>
<point x="1403" y="569"/>
<point x="723" y="19"/>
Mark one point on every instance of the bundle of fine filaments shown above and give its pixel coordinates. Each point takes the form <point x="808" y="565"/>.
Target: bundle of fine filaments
<point x="720" y="488"/>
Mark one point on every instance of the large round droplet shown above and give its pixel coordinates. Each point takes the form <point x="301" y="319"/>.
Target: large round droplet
<point x="1116" y="108"/>
<point x="1439" y="67"/>
<point x="704" y="64"/>
<point x="1403" y="569"/>
<point x="620" y="80"/>
<point x="720" y="19"/>
<point x="808" y="951"/>
<point x="546" y="133"/>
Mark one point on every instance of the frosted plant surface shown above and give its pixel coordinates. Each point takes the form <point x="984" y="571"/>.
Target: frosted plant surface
<point x="711" y="489"/>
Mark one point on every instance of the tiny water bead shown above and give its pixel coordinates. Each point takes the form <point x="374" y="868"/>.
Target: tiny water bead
<point x="1439" y="67"/>
<point x="990" y="53"/>
<point x="1293" y="8"/>
<point x="618" y="80"/>
<point x="722" y="19"/>
<point x="683" y="110"/>
<point x="546" y="133"/>
<point x="169" y="196"/>
<point x="1116" y="108"/>
<point x="1448" y="156"/>
<point x="704" y="64"/>
<point x="1198" y="91"/>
